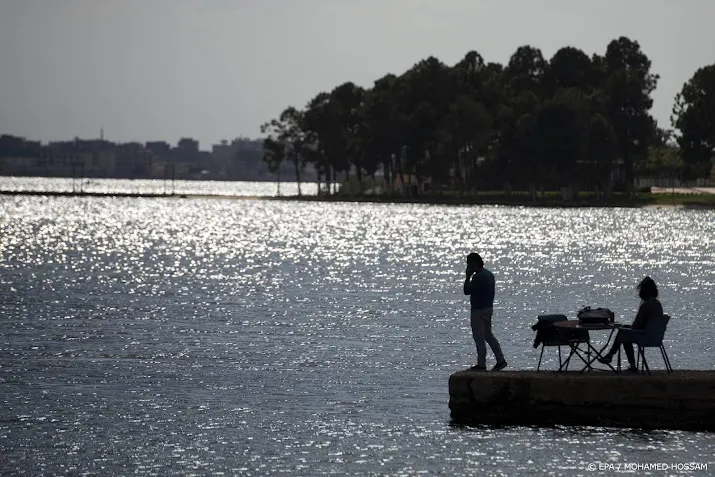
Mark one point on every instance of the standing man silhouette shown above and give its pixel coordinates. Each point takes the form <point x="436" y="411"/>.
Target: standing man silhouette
<point x="479" y="285"/>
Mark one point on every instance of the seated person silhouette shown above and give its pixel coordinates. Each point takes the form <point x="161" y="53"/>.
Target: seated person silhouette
<point x="650" y="308"/>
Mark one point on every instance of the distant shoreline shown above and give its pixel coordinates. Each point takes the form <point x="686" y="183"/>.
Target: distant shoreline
<point x="650" y="201"/>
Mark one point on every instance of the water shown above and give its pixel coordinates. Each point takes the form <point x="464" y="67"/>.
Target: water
<point x="153" y="186"/>
<point x="251" y="337"/>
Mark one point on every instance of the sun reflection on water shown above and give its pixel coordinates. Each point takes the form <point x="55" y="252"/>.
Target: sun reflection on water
<point x="262" y="337"/>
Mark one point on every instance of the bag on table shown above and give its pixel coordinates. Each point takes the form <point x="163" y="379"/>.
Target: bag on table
<point x="593" y="316"/>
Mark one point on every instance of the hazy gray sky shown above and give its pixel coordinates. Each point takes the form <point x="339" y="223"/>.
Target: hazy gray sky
<point x="213" y="69"/>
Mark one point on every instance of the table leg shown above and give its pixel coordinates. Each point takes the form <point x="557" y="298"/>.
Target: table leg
<point x="599" y="354"/>
<point x="587" y="360"/>
<point x="573" y="346"/>
<point x="564" y="366"/>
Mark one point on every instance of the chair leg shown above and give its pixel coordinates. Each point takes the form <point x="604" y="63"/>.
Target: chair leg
<point x="668" y="357"/>
<point x="618" y="366"/>
<point x="665" y="361"/>
<point x="641" y="350"/>
<point x="559" y="356"/>
<point x="564" y="363"/>
<point x="542" y="354"/>
<point x="639" y="363"/>
<point x="668" y="368"/>
<point x="568" y="359"/>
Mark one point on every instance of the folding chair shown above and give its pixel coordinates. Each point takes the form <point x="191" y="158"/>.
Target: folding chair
<point x="549" y="335"/>
<point x="649" y="337"/>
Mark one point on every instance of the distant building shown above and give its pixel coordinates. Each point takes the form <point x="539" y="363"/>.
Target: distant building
<point x="18" y="156"/>
<point x="15" y="146"/>
<point x="18" y="166"/>
<point x="78" y="158"/>
<point x="133" y="160"/>
<point x="159" y="149"/>
<point x="223" y="154"/>
<point x="241" y="159"/>
<point x="188" y="145"/>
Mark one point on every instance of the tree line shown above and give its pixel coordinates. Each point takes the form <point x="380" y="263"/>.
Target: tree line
<point x="572" y="121"/>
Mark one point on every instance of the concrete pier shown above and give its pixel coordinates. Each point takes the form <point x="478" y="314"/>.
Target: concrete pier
<point x="684" y="400"/>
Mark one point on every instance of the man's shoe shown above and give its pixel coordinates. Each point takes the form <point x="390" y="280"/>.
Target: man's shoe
<point x="606" y="359"/>
<point x="478" y="368"/>
<point x="499" y="366"/>
<point x="633" y="369"/>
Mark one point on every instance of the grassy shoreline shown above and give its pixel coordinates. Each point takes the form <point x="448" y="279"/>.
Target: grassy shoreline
<point x="639" y="200"/>
<point x="516" y="199"/>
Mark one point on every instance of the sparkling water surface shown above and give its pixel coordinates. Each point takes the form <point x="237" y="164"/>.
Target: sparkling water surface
<point x="153" y="186"/>
<point x="252" y="337"/>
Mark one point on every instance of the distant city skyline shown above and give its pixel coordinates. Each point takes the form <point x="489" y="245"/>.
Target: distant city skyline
<point x="217" y="69"/>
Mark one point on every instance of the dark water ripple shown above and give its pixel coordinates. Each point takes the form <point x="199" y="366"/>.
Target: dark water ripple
<point x="224" y="337"/>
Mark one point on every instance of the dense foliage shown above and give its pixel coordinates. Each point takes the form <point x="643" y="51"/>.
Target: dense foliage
<point x="567" y="123"/>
